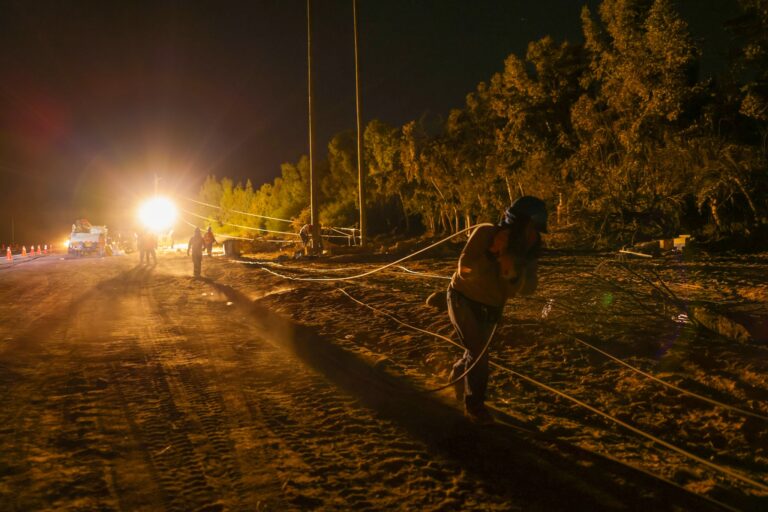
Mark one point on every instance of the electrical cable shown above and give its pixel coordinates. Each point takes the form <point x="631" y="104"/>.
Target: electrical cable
<point x="456" y="379"/>
<point x="663" y="382"/>
<point x="219" y="234"/>
<point x="651" y="437"/>
<point x="241" y="226"/>
<point x="237" y="211"/>
<point x="378" y="269"/>
<point x="635" y="369"/>
<point x="434" y="276"/>
<point x="257" y="215"/>
<point x="606" y="354"/>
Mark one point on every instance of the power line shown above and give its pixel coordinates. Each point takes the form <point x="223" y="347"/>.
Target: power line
<point x="240" y="225"/>
<point x="237" y="211"/>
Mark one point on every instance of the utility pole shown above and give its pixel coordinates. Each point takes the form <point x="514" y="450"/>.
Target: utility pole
<point x="360" y="176"/>
<point x="313" y="216"/>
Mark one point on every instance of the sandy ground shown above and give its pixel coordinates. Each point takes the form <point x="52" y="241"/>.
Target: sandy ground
<point x="140" y="388"/>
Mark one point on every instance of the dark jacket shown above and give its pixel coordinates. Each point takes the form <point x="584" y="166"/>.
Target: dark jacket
<point x="195" y="245"/>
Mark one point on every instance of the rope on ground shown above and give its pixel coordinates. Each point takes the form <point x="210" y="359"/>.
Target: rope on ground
<point x="588" y="345"/>
<point x="651" y="437"/>
<point x="663" y="382"/>
<point x="455" y="379"/>
<point x="378" y="269"/>
<point x="633" y="368"/>
<point x="425" y="274"/>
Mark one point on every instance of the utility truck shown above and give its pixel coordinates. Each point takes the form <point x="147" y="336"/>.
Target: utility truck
<point x="87" y="239"/>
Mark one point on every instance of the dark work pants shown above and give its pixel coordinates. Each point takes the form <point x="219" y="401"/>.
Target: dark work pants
<point x="474" y="323"/>
<point x="197" y="262"/>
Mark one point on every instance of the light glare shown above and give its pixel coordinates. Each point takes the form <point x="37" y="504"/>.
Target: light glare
<point x="157" y="214"/>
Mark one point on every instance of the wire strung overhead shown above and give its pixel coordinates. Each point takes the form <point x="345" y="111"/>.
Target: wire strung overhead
<point x="237" y="211"/>
<point x="185" y="221"/>
<point x="209" y="205"/>
<point x="263" y="230"/>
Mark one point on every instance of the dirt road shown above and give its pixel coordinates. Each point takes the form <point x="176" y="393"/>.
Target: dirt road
<point x="139" y="388"/>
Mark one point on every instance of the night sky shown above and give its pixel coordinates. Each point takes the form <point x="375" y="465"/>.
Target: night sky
<point x="97" y="97"/>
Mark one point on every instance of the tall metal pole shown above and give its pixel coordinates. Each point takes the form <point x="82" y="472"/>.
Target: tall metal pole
<point x="360" y="176"/>
<point x="314" y="218"/>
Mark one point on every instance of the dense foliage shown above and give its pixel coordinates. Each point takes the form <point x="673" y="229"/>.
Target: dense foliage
<point x="619" y="135"/>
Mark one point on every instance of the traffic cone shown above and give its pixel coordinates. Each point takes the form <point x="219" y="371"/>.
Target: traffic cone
<point x="39" y="252"/>
<point x="23" y="250"/>
<point x="45" y="249"/>
<point x="9" y="255"/>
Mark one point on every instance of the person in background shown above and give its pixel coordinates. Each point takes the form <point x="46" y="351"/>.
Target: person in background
<point x="305" y="233"/>
<point x="209" y="240"/>
<point x="497" y="262"/>
<point x="150" y="246"/>
<point x="141" y="246"/>
<point x="195" y="246"/>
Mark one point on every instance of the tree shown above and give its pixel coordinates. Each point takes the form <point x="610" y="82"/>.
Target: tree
<point x="339" y="183"/>
<point x="534" y="97"/>
<point x="750" y="64"/>
<point x="387" y="184"/>
<point x="637" y="90"/>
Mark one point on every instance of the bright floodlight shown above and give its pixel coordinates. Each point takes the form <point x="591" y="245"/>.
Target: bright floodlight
<point x="157" y="214"/>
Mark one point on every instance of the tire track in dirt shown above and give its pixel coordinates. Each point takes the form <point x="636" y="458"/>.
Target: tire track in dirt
<point x="152" y="392"/>
<point x="333" y="452"/>
<point x="357" y="334"/>
<point x="50" y="456"/>
<point x="348" y="458"/>
<point x="179" y="425"/>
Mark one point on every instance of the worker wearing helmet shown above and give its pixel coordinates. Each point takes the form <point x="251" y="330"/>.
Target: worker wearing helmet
<point x="209" y="240"/>
<point x="497" y="262"/>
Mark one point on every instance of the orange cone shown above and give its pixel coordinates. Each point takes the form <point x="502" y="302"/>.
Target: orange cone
<point x="23" y="250"/>
<point x="45" y="249"/>
<point x="39" y="252"/>
<point x="8" y="254"/>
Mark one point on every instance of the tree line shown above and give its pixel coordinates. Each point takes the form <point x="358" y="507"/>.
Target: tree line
<point x="619" y="135"/>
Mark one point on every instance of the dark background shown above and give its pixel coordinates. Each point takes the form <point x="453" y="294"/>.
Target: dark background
<point x="98" y="97"/>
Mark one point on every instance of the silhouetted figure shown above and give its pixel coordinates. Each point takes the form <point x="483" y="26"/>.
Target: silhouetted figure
<point x="152" y="247"/>
<point x="141" y="246"/>
<point x="195" y="246"/>
<point x="209" y="240"/>
<point x="304" y="234"/>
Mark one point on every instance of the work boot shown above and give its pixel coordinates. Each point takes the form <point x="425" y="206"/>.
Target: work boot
<point x="478" y="414"/>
